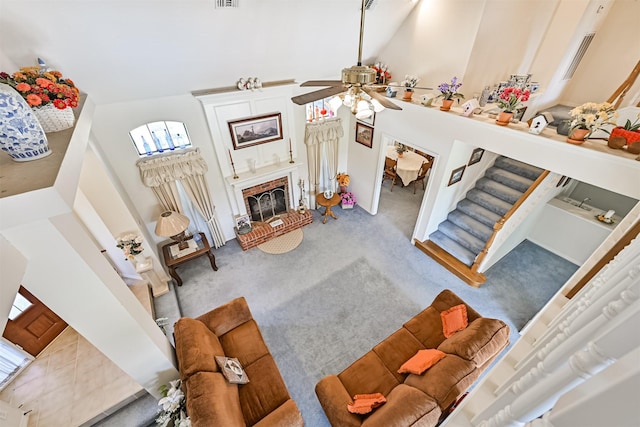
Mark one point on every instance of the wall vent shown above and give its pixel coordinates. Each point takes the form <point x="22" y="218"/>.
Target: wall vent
<point x="582" y="49"/>
<point x="226" y="3"/>
<point x="368" y="4"/>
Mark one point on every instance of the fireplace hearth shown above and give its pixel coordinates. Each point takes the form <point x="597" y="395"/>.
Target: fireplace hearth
<point x="266" y="200"/>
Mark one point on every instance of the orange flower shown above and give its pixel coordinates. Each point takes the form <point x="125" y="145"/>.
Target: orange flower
<point x="44" y="83"/>
<point x="34" y="100"/>
<point x="23" y="87"/>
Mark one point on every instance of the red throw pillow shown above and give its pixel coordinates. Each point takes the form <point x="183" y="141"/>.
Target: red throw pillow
<point x="423" y="360"/>
<point x="454" y="319"/>
<point x="365" y="403"/>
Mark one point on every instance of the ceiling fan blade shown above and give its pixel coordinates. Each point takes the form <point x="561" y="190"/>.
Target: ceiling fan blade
<point x="322" y="83"/>
<point x="381" y="99"/>
<point x="318" y="94"/>
<point x="416" y="87"/>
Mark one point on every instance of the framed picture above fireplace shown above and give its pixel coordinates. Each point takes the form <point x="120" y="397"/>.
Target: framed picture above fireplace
<point x="255" y="130"/>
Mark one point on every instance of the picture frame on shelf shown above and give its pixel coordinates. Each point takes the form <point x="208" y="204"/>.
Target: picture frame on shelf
<point x="456" y="175"/>
<point x="476" y="156"/>
<point x="255" y="130"/>
<point x="364" y="134"/>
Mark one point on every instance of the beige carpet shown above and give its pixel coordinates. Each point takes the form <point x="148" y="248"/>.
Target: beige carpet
<point x="283" y="244"/>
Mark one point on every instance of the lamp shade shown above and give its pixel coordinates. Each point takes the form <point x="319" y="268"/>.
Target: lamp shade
<point x="171" y="223"/>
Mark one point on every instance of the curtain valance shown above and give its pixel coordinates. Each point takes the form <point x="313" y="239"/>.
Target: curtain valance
<point x="157" y="171"/>
<point x="326" y="130"/>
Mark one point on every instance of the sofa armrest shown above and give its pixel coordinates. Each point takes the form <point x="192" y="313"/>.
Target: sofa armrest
<point x="227" y="317"/>
<point x="334" y="399"/>
<point x="286" y="414"/>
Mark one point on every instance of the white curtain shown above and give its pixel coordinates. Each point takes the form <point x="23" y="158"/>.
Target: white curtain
<point x="11" y="360"/>
<point x="321" y="139"/>
<point x="161" y="173"/>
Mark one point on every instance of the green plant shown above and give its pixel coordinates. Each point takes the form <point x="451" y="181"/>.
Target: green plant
<point x="448" y="91"/>
<point x="511" y="98"/>
<point x="633" y="127"/>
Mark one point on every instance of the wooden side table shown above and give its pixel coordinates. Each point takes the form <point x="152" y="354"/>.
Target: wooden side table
<point x="173" y="261"/>
<point x="328" y="204"/>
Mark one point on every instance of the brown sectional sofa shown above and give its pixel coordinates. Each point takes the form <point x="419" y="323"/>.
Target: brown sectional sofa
<point x="231" y="331"/>
<point x="415" y="400"/>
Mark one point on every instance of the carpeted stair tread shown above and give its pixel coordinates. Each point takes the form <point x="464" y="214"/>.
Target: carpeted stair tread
<point x="470" y="225"/>
<point x="498" y="190"/>
<point x="460" y="236"/>
<point x="461" y="253"/>
<point x="478" y="212"/>
<point x="488" y="201"/>
<point x="509" y="179"/>
<point x="518" y="168"/>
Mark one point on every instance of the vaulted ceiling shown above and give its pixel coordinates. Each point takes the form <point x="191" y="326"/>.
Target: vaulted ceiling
<point x="123" y="50"/>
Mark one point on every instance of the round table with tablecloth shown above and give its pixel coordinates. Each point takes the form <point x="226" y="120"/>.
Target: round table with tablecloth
<point x="408" y="165"/>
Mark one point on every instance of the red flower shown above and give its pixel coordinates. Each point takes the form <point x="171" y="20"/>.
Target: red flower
<point x="43" y="83"/>
<point x="59" y="104"/>
<point x="23" y="87"/>
<point x="34" y="100"/>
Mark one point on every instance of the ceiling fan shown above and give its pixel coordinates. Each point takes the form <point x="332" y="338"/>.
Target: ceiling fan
<point x="359" y="83"/>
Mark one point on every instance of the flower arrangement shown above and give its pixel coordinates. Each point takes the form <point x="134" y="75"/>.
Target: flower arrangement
<point x="401" y="148"/>
<point x="347" y="199"/>
<point x="131" y="244"/>
<point x="448" y="91"/>
<point x="511" y="98"/>
<point x="410" y="81"/>
<point x="343" y="179"/>
<point x="173" y="407"/>
<point x="592" y="116"/>
<point x="41" y="87"/>
<point x="382" y="73"/>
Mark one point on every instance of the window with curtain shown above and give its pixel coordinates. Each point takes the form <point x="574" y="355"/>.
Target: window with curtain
<point x="12" y="359"/>
<point x="160" y="137"/>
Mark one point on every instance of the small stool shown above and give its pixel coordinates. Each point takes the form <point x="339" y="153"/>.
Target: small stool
<point x="328" y="204"/>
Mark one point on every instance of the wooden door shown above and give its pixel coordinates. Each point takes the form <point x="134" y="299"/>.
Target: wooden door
<point x="35" y="327"/>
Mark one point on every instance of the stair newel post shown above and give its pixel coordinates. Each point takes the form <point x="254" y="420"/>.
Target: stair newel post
<point x="483" y="253"/>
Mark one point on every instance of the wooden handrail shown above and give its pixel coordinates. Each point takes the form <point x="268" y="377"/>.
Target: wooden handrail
<point x="500" y="223"/>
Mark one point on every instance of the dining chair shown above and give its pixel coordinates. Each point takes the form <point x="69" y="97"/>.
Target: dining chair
<point x="390" y="170"/>
<point x="422" y="174"/>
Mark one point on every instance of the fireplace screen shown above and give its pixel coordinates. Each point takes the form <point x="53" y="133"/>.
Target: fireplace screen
<point x="267" y="204"/>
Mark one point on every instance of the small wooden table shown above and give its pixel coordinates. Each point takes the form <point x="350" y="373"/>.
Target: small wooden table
<point x="172" y="262"/>
<point x="328" y="204"/>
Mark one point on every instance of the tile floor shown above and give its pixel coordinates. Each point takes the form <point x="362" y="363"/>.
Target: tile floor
<point x="71" y="383"/>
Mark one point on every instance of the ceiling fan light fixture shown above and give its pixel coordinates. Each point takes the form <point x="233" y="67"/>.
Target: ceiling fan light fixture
<point x="364" y="109"/>
<point x="377" y="106"/>
<point x="358" y="74"/>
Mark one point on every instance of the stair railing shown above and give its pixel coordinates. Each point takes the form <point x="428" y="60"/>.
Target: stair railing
<point x="500" y="223"/>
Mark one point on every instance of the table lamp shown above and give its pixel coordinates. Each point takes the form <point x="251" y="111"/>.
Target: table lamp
<point x="173" y="224"/>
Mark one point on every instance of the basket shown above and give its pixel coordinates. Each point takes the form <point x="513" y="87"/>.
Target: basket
<point x="53" y="119"/>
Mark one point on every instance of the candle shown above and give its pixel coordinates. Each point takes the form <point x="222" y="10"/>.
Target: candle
<point x="609" y="214"/>
<point x="289" y="144"/>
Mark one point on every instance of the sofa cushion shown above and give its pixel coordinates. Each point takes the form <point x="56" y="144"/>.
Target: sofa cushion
<point x="421" y="361"/>
<point x="196" y="347"/>
<point x="405" y="406"/>
<point x="244" y="343"/>
<point x="454" y="320"/>
<point x="447" y="299"/>
<point x="368" y="375"/>
<point x="286" y="414"/>
<point x="212" y="401"/>
<point x="365" y="403"/>
<point x="426" y="326"/>
<point x="479" y="342"/>
<point x="264" y="393"/>
<point x="446" y="380"/>
<point x="397" y="349"/>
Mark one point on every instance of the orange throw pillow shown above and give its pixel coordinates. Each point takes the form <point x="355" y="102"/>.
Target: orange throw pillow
<point x="454" y="319"/>
<point x="423" y="360"/>
<point x="365" y="403"/>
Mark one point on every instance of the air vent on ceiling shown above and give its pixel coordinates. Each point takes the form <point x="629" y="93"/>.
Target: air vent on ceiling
<point x="368" y="4"/>
<point x="226" y="3"/>
<point x="582" y="49"/>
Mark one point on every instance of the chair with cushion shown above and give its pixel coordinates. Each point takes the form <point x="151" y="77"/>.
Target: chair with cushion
<point x="390" y="170"/>
<point x="422" y="174"/>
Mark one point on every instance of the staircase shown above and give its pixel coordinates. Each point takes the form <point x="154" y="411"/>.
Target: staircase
<point x="465" y="233"/>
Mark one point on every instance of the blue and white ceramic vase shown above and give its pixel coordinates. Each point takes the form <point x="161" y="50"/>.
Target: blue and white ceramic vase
<point x="21" y="135"/>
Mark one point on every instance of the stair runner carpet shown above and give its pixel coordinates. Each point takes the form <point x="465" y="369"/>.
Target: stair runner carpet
<point x="467" y="228"/>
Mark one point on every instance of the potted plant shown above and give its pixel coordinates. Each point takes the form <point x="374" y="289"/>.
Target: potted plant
<point x="627" y="134"/>
<point x="510" y="99"/>
<point x="449" y="91"/>
<point x="409" y="83"/>
<point x="382" y="74"/>
<point x="51" y="96"/>
<point x="131" y="245"/>
<point x="347" y="200"/>
<point x="173" y="410"/>
<point x="401" y="149"/>
<point x="343" y="181"/>
<point x="588" y="118"/>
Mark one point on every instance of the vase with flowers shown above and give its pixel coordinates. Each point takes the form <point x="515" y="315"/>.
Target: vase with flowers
<point x="343" y="182"/>
<point x="382" y="73"/>
<point x="588" y="118"/>
<point x="409" y="83"/>
<point x="401" y="149"/>
<point x="131" y="245"/>
<point x="173" y="412"/>
<point x="508" y="101"/>
<point x="347" y="200"/>
<point x="51" y="96"/>
<point x="449" y="92"/>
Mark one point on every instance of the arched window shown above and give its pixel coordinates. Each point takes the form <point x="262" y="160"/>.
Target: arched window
<point x="158" y="137"/>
